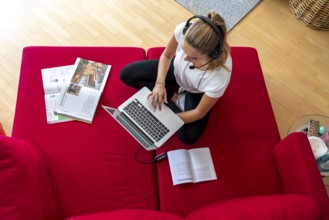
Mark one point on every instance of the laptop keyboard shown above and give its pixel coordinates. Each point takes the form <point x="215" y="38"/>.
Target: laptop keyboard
<point x="146" y="120"/>
<point x="133" y="129"/>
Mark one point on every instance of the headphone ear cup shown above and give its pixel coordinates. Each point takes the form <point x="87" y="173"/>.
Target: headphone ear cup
<point x="214" y="54"/>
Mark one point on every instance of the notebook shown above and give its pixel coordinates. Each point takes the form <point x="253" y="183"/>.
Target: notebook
<point x="150" y="127"/>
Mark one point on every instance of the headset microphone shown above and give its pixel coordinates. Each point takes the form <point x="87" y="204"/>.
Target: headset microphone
<point x="192" y="67"/>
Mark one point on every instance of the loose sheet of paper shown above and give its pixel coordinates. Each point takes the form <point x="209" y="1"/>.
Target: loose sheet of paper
<point x="53" y="80"/>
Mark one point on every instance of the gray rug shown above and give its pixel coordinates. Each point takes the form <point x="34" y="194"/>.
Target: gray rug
<point x="231" y="10"/>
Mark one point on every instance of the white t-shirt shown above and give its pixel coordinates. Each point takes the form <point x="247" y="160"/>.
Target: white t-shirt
<point x="212" y="83"/>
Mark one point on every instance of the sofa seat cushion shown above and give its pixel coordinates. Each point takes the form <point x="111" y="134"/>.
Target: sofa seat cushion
<point x="235" y="138"/>
<point x="128" y="214"/>
<point x="25" y="191"/>
<point x="280" y="207"/>
<point x="91" y="166"/>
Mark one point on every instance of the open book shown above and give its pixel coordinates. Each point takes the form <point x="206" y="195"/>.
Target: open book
<point x="53" y="80"/>
<point x="191" y="166"/>
<point x="80" y="96"/>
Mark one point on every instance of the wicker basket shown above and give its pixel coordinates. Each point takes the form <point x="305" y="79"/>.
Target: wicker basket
<point x="313" y="13"/>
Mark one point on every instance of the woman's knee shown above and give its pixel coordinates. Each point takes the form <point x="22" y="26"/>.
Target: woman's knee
<point x="191" y="132"/>
<point x="125" y="74"/>
<point x="188" y="139"/>
<point x="189" y="135"/>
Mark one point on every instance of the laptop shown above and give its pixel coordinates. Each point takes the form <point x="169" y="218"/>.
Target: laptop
<point x="150" y="127"/>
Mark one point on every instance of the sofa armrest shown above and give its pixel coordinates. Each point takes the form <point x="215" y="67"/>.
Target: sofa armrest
<point x="298" y="169"/>
<point x="127" y="214"/>
<point x="283" y="207"/>
<point x="25" y="189"/>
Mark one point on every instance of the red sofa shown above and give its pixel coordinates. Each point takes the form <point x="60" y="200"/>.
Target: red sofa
<point x="80" y="171"/>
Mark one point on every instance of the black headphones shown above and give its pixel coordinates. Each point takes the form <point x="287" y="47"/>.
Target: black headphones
<point x="215" y="53"/>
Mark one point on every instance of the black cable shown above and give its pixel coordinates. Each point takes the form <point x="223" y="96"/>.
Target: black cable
<point x="156" y="159"/>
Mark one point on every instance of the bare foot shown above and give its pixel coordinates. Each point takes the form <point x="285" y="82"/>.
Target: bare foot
<point x="174" y="98"/>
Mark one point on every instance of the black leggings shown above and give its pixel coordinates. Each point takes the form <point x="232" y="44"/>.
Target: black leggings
<point x="144" y="73"/>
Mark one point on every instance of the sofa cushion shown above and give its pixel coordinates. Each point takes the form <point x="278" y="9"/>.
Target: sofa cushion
<point x="240" y="128"/>
<point x="278" y="207"/>
<point x="128" y="214"/>
<point x="25" y="191"/>
<point x="91" y="166"/>
<point x="154" y="53"/>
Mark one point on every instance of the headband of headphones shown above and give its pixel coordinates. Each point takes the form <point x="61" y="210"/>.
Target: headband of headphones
<point x="216" y="52"/>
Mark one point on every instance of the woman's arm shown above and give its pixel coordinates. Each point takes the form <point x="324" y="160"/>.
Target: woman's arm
<point x="204" y="106"/>
<point x="159" y="94"/>
<point x="165" y="59"/>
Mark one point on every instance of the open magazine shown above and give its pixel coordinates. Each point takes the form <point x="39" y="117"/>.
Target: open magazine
<point x="191" y="166"/>
<point x="53" y="80"/>
<point x="79" y="97"/>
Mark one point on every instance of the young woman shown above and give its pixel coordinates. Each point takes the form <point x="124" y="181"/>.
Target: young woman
<point x="197" y="61"/>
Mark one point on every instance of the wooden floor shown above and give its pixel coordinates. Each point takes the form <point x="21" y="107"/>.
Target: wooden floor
<point x="294" y="58"/>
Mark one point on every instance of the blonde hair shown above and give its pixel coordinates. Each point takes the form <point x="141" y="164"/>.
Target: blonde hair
<point x="202" y="37"/>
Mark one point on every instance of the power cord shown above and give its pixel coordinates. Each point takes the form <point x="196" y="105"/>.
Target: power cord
<point x="156" y="159"/>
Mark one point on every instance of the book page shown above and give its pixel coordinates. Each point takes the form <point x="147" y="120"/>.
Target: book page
<point x="202" y="164"/>
<point x="181" y="170"/>
<point x="53" y="79"/>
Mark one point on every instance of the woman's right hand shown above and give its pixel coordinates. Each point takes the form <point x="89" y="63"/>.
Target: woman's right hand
<point x="158" y="96"/>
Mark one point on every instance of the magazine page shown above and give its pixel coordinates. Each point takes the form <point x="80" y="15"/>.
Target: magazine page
<point x="53" y="80"/>
<point x="80" y="97"/>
